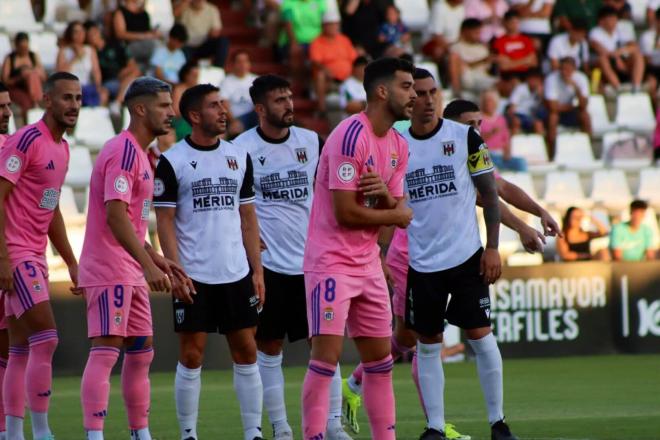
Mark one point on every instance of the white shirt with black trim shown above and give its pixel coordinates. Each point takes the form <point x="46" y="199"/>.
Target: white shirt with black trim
<point x="284" y="172"/>
<point x="207" y="185"/>
<point x="444" y="232"/>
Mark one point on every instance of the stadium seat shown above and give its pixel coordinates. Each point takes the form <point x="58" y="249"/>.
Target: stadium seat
<point x="94" y="127"/>
<point x="161" y="14"/>
<point x="610" y="189"/>
<point x="58" y="13"/>
<point x="45" y="45"/>
<point x="532" y="148"/>
<point x="522" y="180"/>
<point x="211" y="75"/>
<point x="80" y="168"/>
<point x="563" y="189"/>
<point x="69" y="208"/>
<point x="600" y="120"/>
<point x="628" y="163"/>
<point x="634" y="112"/>
<point x="17" y="15"/>
<point x="5" y="46"/>
<point x="414" y="13"/>
<point x="574" y="152"/>
<point x="649" y="187"/>
<point x="638" y="9"/>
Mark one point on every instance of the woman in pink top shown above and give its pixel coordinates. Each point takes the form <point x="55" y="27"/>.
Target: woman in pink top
<point x="491" y="13"/>
<point x="496" y="134"/>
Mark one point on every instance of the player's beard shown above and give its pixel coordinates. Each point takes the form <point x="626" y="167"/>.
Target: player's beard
<point x="4" y="126"/>
<point x="280" y="122"/>
<point x="213" y="129"/>
<point x="161" y="128"/>
<point x="398" y="111"/>
<point x="60" y="119"/>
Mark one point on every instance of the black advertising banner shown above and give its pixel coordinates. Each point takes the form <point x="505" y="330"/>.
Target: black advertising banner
<point x="636" y="288"/>
<point x="553" y="310"/>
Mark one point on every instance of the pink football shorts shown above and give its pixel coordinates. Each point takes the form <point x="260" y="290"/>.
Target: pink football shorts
<point x="118" y="310"/>
<point x="30" y="288"/>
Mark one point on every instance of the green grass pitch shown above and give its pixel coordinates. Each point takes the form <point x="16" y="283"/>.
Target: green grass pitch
<point x="605" y="397"/>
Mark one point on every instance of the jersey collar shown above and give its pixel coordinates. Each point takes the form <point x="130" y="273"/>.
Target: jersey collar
<point x="270" y="140"/>
<point x="428" y="135"/>
<point x="198" y="147"/>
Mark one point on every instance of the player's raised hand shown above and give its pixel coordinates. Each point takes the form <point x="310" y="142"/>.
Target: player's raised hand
<point x="532" y="240"/>
<point x="550" y="226"/>
<point x="372" y="185"/>
<point x="157" y="279"/>
<point x="6" y="276"/>
<point x="403" y="214"/>
<point x="491" y="265"/>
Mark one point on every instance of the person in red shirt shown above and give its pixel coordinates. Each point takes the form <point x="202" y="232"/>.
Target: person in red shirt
<point x="515" y="53"/>
<point x="332" y="55"/>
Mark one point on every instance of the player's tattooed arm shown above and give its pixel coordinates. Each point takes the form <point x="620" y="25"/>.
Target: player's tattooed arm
<point x="491" y="265"/>
<point x="57" y="235"/>
<point x="6" y="277"/>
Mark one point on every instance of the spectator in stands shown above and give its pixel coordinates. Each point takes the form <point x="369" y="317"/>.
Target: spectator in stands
<point x="622" y="8"/>
<point x="23" y="75"/>
<point x="572" y="43"/>
<point x="575" y="245"/>
<point x="495" y="132"/>
<point x="188" y="77"/>
<point x="361" y="23"/>
<point x="394" y="34"/>
<point x="303" y="22"/>
<point x="567" y="10"/>
<point x="651" y="8"/>
<point x="235" y="88"/>
<point x="526" y="110"/>
<point x="515" y="53"/>
<point x="619" y="56"/>
<point x="470" y="61"/>
<point x="332" y="55"/>
<point x="352" y="96"/>
<point x="566" y="93"/>
<point x="204" y="25"/>
<point x="169" y="59"/>
<point x="490" y="13"/>
<point x="80" y="59"/>
<point x="444" y="28"/>
<point x="649" y="44"/>
<point x="633" y="240"/>
<point x="132" y="26"/>
<point x="117" y="68"/>
<point x="535" y="19"/>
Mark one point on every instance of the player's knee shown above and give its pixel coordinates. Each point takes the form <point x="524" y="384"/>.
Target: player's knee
<point x="431" y="339"/>
<point x="405" y="338"/>
<point x="244" y="353"/>
<point x="271" y="347"/>
<point x="46" y="340"/>
<point x="191" y="357"/>
<point x="477" y="333"/>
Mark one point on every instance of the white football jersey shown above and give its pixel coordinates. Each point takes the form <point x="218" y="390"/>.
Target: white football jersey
<point x="207" y="185"/>
<point x="444" y="231"/>
<point x="284" y="172"/>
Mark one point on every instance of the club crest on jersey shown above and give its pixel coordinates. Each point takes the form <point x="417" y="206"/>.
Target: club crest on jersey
<point x="117" y="317"/>
<point x="13" y="164"/>
<point x="121" y="184"/>
<point x="159" y="187"/>
<point x="394" y="159"/>
<point x="448" y="148"/>
<point x="232" y="163"/>
<point x="180" y="314"/>
<point x="328" y="314"/>
<point x="36" y="286"/>
<point x="301" y="155"/>
<point x="346" y="172"/>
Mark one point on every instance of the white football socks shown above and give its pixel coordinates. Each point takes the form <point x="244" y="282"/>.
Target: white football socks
<point x="334" y="415"/>
<point x="187" y="385"/>
<point x="272" y="378"/>
<point x="489" y="366"/>
<point x="247" y="383"/>
<point x="14" y="428"/>
<point x="432" y="383"/>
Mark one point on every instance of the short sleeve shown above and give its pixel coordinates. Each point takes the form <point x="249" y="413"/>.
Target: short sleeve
<point x="583" y="84"/>
<point x="119" y="175"/>
<point x="346" y="157"/>
<point x="344" y="95"/>
<point x="16" y="154"/>
<point x="615" y="237"/>
<point x="321" y="144"/>
<point x="166" y="186"/>
<point x="247" y="194"/>
<point x="479" y="161"/>
<point x="648" y="238"/>
<point x="550" y="90"/>
<point x="158" y="58"/>
<point x="216" y="21"/>
<point x="553" y="48"/>
<point x="395" y="185"/>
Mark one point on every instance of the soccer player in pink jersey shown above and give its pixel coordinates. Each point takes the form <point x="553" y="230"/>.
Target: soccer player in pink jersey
<point x="5" y="115"/>
<point x="118" y="268"/>
<point x="34" y="162"/>
<point x="359" y="187"/>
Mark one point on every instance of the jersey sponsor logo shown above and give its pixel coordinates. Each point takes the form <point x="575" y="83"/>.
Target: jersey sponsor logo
<point x="13" y="163"/>
<point x="50" y="166"/>
<point x="426" y="186"/>
<point x="394" y="159"/>
<point x="448" y="148"/>
<point x="210" y="196"/>
<point x="301" y="155"/>
<point x="193" y="164"/>
<point x="480" y="161"/>
<point x="49" y="199"/>
<point x="346" y="172"/>
<point x="121" y="184"/>
<point x="294" y="187"/>
<point x="262" y="160"/>
<point x="159" y="187"/>
<point x="146" y="206"/>
<point x="232" y="163"/>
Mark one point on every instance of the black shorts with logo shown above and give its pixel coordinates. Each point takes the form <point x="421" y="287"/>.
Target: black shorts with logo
<point x="427" y="295"/>
<point x="218" y="308"/>
<point x="285" y="309"/>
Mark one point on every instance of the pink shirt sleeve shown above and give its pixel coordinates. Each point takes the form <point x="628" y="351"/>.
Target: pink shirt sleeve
<point x="118" y="182"/>
<point x="15" y="157"/>
<point x="346" y="161"/>
<point x="395" y="185"/>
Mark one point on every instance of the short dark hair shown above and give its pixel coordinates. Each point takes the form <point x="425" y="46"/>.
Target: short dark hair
<point x="3" y="87"/>
<point x="568" y="60"/>
<point x="511" y="13"/>
<point x="192" y="99"/>
<point x="185" y="70"/>
<point x="264" y="84"/>
<point x="21" y="36"/>
<point x="384" y="69"/>
<point x="579" y="24"/>
<point x="179" y="33"/>
<point x="361" y="61"/>
<point x="89" y="24"/>
<point x="58" y="76"/>
<point x="638" y="204"/>
<point x="470" y="24"/>
<point x="145" y="86"/>
<point x="238" y="52"/>
<point x="422" y="73"/>
<point x="457" y="107"/>
<point x="535" y="71"/>
<point x="607" y="11"/>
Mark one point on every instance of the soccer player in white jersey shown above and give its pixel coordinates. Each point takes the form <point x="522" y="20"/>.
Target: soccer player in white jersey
<point x="284" y="159"/>
<point x="204" y="199"/>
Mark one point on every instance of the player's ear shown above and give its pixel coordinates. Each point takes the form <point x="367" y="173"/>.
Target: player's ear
<point x="382" y="91"/>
